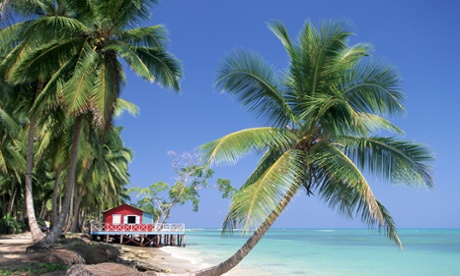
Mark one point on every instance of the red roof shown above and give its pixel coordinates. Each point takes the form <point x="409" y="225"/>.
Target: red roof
<point x="127" y="205"/>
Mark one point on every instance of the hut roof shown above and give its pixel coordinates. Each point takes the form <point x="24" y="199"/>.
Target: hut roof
<point x="122" y="205"/>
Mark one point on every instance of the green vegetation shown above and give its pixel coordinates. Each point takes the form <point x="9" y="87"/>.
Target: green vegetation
<point x="160" y="198"/>
<point x="11" y="225"/>
<point x="62" y="159"/>
<point x="326" y="113"/>
<point x="61" y="75"/>
<point x="34" y="269"/>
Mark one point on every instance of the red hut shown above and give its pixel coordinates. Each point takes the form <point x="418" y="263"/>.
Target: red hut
<point x="126" y="216"/>
<point x="126" y="223"/>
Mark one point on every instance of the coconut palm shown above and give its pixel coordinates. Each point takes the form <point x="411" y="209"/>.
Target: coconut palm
<point x="104" y="172"/>
<point x="97" y="73"/>
<point x="325" y="112"/>
<point x="76" y="64"/>
<point x="12" y="162"/>
<point x="19" y="42"/>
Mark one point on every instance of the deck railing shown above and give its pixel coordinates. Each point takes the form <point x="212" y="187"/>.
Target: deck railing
<point x="155" y="227"/>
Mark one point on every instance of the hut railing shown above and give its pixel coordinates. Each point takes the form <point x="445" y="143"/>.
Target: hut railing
<point x="155" y="227"/>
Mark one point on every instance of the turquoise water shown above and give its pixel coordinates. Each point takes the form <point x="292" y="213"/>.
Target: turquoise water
<point x="330" y="252"/>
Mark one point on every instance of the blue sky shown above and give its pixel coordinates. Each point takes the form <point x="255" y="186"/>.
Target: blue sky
<point x="420" y="37"/>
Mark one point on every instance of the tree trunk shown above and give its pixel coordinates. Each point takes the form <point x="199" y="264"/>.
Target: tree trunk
<point x="37" y="234"/>
<point x="76" y="211"/>
<point x="43" y="210"/>
<point x="69" y="219"/>
<point x="51" y="238"/>
<point x="57" y="183"/>
<point x="76" y="208"/>
<point x="12" y="197"/>
<point x="239" y="255"/>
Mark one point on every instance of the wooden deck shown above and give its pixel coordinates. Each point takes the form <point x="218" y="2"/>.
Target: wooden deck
<point x="157" y="235"/>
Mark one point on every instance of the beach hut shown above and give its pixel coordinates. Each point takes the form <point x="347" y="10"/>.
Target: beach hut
<point x="127" y="224"/>
<point x="127" y="214"/>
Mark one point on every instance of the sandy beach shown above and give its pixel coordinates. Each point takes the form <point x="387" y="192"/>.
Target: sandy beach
<point x="13" y="256"/>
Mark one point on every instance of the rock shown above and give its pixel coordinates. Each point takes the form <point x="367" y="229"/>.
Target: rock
<point x="59" y="256"/>
<point x="145" y="267"/>
<point x="102" y="269"/>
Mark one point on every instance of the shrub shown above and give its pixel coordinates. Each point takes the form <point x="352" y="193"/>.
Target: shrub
<point x="10" y="225"/>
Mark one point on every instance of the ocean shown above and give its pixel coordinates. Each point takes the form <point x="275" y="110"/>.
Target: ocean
<point x="329" y="252"/>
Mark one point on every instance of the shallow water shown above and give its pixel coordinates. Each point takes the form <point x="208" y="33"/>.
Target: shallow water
<point x="330" y="252"/>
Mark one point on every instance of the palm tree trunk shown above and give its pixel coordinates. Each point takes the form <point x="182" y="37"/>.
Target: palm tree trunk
<point x="12" y="197"/>
<point x="76" y="208"/>
<point x="51" y="238"/>
<point x="37" y="234"/>
<point x="76" y="211"/>
<point x="239" y="255"/>
<point x="69" y="219"/>
<point x="54" y="211"/>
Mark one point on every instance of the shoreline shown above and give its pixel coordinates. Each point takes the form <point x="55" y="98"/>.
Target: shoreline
<point x="174" y="264"/>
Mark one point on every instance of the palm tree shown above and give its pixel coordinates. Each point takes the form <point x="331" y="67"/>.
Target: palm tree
<point x="325" y="111"/>
<point x="12" y="162"/>
<point x="104" y="171"/>
<point x="97" y="73"/>
<point x="21" y="41"/>
<point x="75" y="64"/>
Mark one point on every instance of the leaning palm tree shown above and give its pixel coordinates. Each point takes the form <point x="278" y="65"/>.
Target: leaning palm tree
<point x="325" y="112"/>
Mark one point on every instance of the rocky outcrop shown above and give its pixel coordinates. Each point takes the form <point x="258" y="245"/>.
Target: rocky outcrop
<point x="105" y="269"/>
<point x="57" y="256"/>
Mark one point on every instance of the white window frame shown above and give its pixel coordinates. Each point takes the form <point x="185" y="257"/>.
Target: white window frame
<point x="136" y="219"/>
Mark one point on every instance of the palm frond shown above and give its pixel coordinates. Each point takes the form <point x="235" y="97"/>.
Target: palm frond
<point x="373" y="87"/>
<point x="125" y="12"/>
<point x="133" y="60"/>
<point x="248" y="77"/>
<point x="3" y="166"/>
<point x="336" y="115"/>
<point x="9" y="125"/>
<point x="50" y="93"/>
<point x="267" y="160"/>
<point x="319" y="48"/>
<point x="43" y="61"/>
<point x="342" y="186"/>
<point x="57" y="28"/>
<point x="166" y="69"/>
<point x="76" y="91"/>
<point x="107" y="87"/>
<point x="254" y="203"/>
<point x="280" y="31"/>
<point x="153" y="36"/>
<point x="346" y="58"/>
<point x="15" y="157"/>
<point x="11" y="35"/>
<point x="403" y="162"/>
<point x="123" y="105"/>
<point x="231" y="148"/>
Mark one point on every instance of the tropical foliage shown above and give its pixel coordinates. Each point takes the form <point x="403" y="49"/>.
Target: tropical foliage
<point x="160" y="197"/>
<point x="65" y="63"/>
<point x="326" y="113"/>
